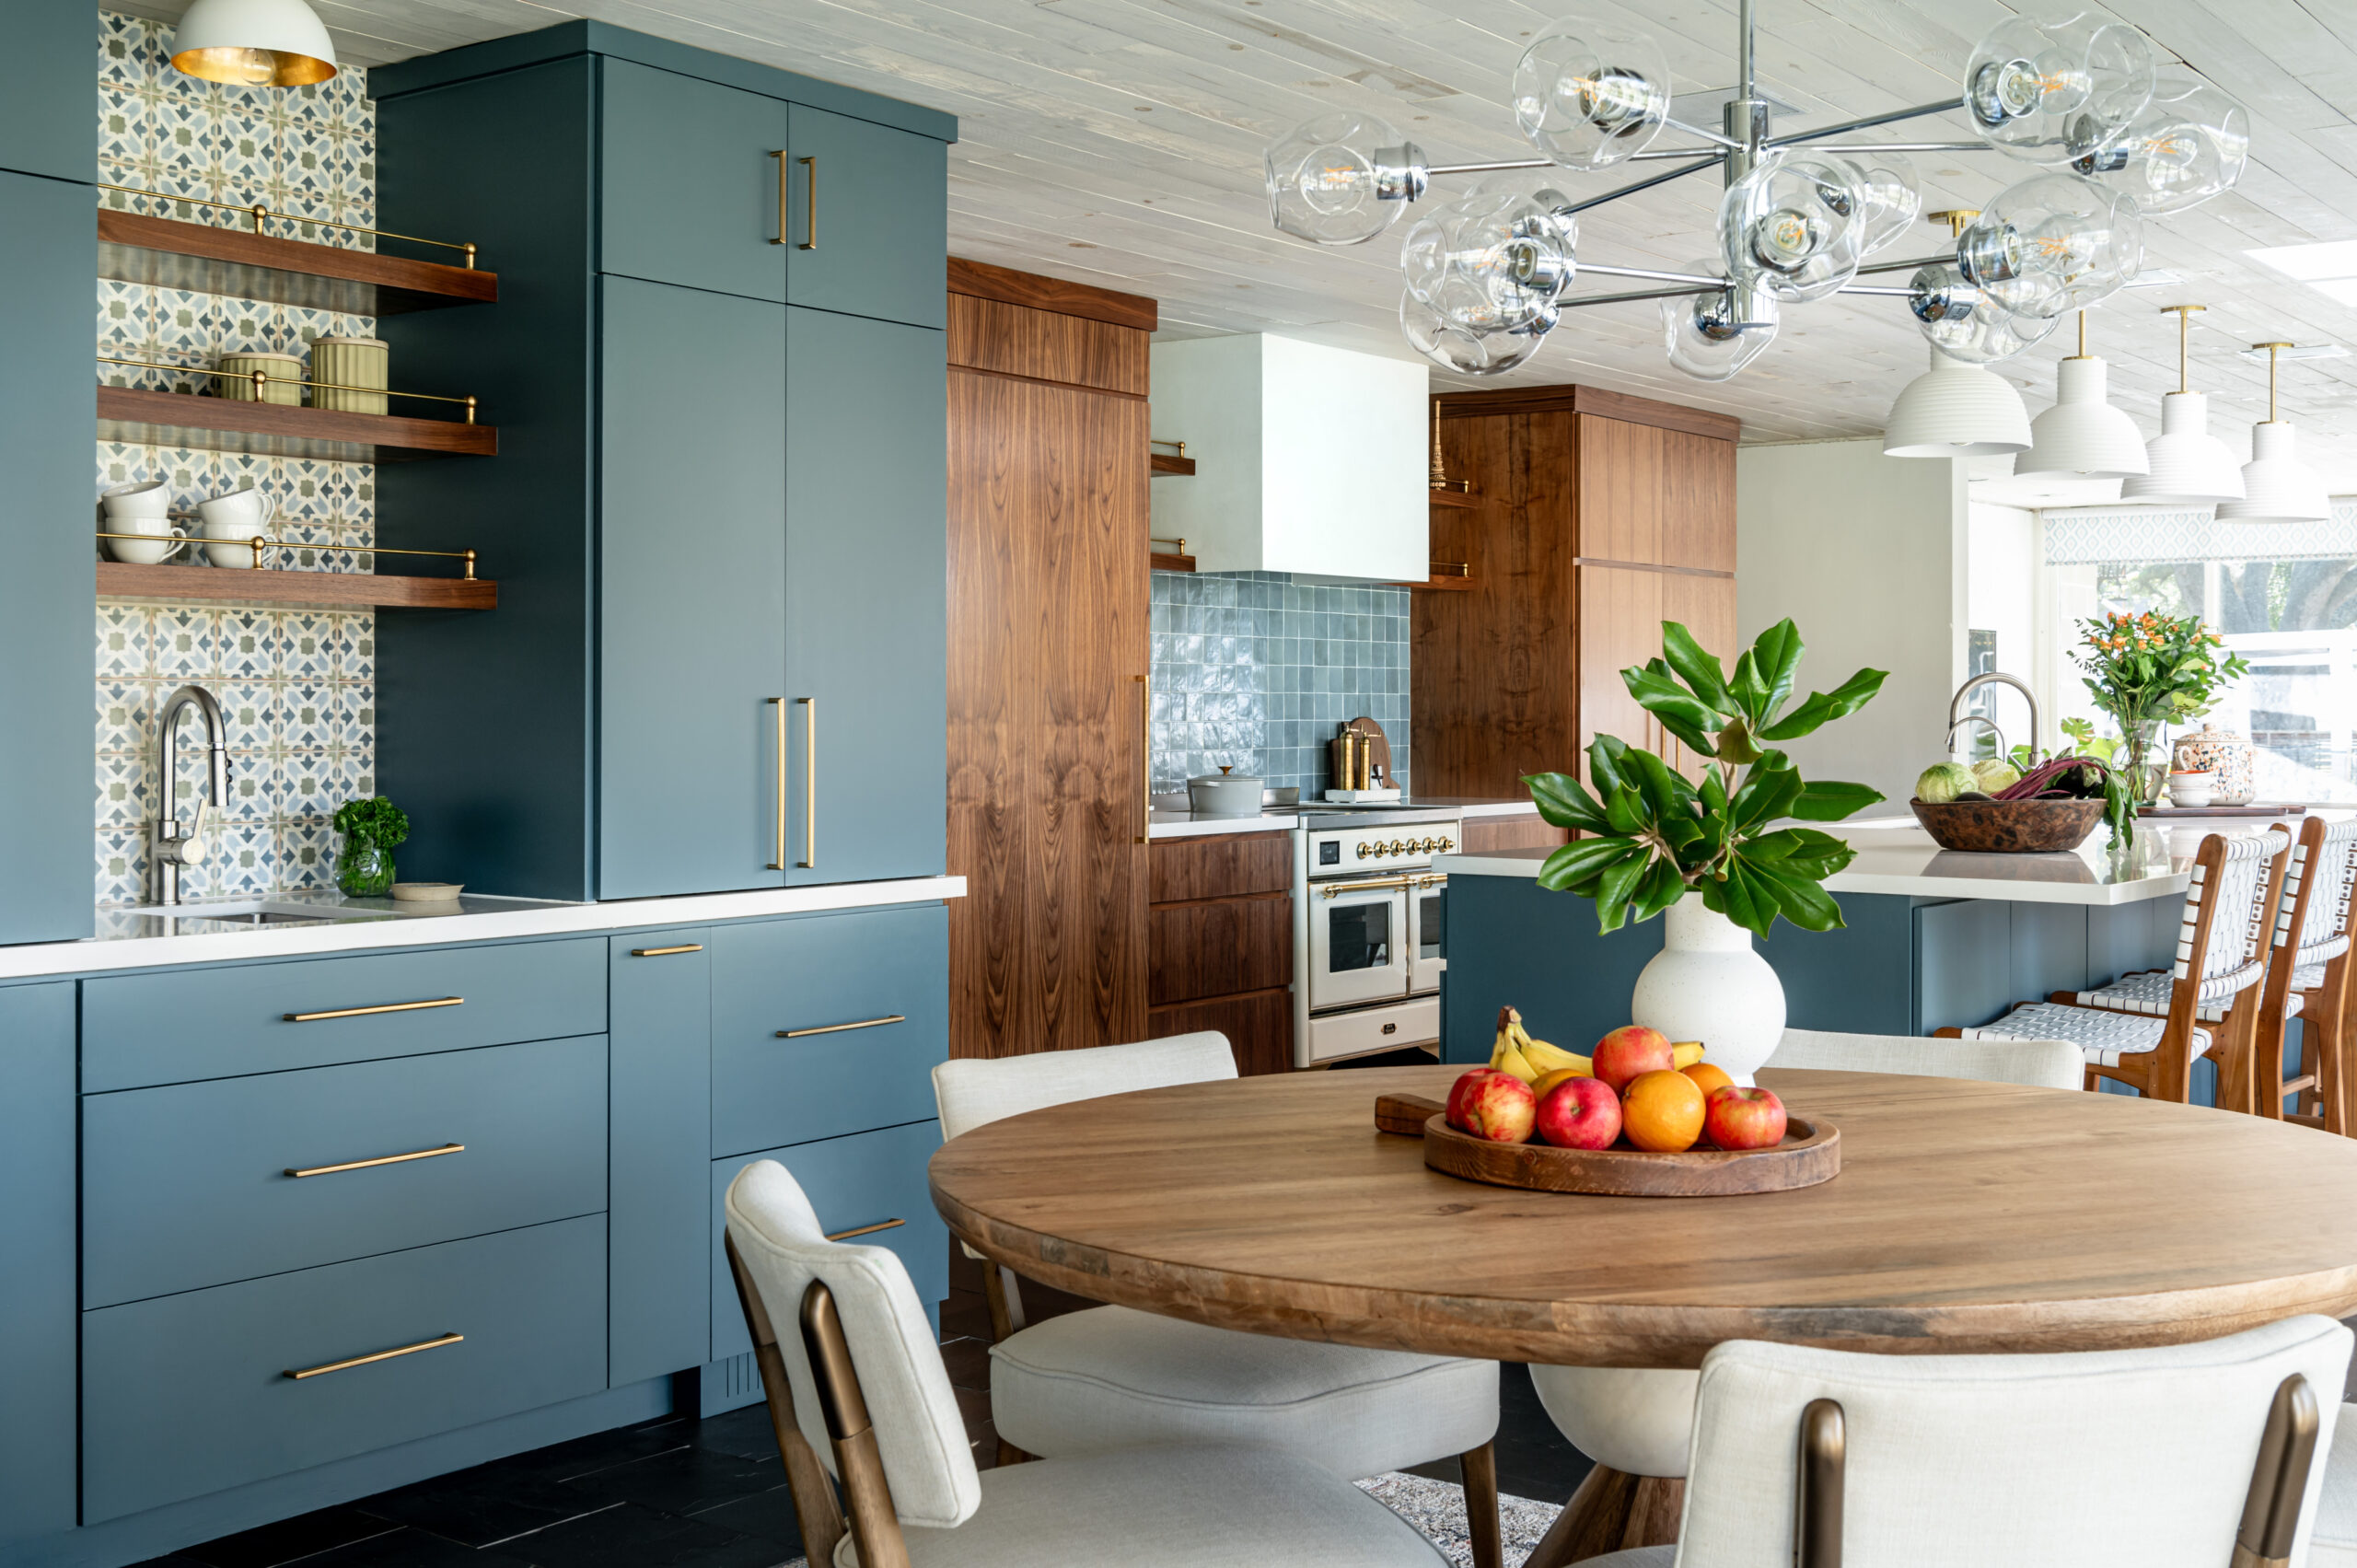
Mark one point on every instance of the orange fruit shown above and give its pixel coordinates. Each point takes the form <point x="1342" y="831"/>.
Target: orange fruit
<point x="1708" y="1075"/>
<point x="1661" y="1111"/>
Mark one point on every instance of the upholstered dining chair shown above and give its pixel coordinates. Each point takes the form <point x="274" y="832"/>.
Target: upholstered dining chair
<point x="2199" y="1455"/>
<point x="2333" y="1543"/>
<point x="2145" y="1030"/>
<point x="1635" y="1422"/>
<point x="858" y="1397"/>
<point x="2307" y="978"/>
<point x="1111" y="1377"/>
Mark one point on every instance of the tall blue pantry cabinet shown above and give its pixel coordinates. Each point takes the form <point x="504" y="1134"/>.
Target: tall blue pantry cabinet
<point x="718" y="514"/>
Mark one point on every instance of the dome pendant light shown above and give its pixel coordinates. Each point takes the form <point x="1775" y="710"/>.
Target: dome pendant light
<point x="253" y="43"/>
<point x="2082" y="437"/>
<point x="2189" y="467"/>
<point x="2278" y="487"/>
<point x="1955" y="409"/>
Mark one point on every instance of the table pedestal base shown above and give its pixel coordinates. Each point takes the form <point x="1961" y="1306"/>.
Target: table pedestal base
<point x="1612" y="1512"/>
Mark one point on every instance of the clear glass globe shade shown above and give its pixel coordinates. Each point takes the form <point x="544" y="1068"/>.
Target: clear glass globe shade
<point x="1795" y="224"/>
<point x="1964" y="324"/>
<point x="2052" y="243"/>
<point x="1493" y="260"/>
<point x="2190" y="143"/>
<point x="2049" y="90"/>
<point x="1589" y="93"/>
<point x="1886" y="184"/>
<point x="1342" y="179"/>
<point x="1712" y="336"/>
<point x="1465" y="349"/>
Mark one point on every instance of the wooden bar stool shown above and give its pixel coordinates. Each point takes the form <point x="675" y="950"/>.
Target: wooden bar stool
<point x="2148" y="1028"/>
<point x="2307" y="978"/>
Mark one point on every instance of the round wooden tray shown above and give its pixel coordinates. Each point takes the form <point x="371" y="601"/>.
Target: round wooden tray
<point x="1810" y="1152"/>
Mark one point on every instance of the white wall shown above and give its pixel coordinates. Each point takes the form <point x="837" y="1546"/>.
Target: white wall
<point x="1867" y="555"/>
<point x="2001" y="596"/>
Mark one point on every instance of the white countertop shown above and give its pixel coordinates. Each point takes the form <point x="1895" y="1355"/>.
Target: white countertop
<point x="1895" y="855"/>
<point x="143" y="938"/>
<point x="1188" y="824"/>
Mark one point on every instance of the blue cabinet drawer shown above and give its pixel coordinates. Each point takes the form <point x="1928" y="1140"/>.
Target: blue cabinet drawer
<point x="869" y="1178"/>
<point x="195" y="1393"/>
<point x="190" y="1185"/>
<point x="803" y="1041"/>
<point x="212" y="1023"/>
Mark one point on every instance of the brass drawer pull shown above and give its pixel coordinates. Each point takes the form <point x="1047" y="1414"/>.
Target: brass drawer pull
<point x="779" y="703"/>
<point x="811" y="203"/>
<point x="381" y="1007"/>
<point x="809" y="784"/>
<point x="865" y="1230"/>
<point x="837" y="1029"/>
<point x="380" y="1355"/>
<point x="381" y="1160"/>
<point x="780" y="156"/>
<point x="1338" y="889"/>
<point x="666" y="952"/>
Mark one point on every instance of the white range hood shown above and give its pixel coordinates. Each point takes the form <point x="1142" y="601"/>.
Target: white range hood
<point x="1308" y="460"/>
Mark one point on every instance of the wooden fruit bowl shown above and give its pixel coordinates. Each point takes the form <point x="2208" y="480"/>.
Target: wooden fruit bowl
<point x="1810" y="1152"/>
<point x="2009" y="827"/>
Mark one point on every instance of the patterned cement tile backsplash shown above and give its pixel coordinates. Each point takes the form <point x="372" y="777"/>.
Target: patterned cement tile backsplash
<point x="1256" y="670"/>
<point x="296" y="688"/>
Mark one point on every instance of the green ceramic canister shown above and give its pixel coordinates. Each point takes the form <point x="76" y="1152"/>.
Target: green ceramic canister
<point x="285" y="370"/>
<point x="339" y="363"/>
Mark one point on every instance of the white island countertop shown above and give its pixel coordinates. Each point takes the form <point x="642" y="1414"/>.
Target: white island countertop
<point x="1895" y="855"/>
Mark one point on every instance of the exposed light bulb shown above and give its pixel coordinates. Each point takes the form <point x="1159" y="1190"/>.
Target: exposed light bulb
<point x="1795" y="226"/>
<point x="1342" y="179"/>
<point x="1712" y="336"/>
<point x="1493" y="260"/>
<point x="1589" y="93"/>
<point x="2049" y="90"/>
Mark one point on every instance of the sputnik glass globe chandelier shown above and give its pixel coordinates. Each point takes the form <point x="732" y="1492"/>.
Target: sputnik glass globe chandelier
<point x="1488" y="274"/>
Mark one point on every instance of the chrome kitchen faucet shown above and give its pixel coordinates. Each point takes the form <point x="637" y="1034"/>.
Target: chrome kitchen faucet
<point x="169" y="849"/>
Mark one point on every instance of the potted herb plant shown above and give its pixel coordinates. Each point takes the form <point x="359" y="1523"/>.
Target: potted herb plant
<point x="372" y="829"/>
<point x="1705" y="854"/>
<point x="2148" y="670"/>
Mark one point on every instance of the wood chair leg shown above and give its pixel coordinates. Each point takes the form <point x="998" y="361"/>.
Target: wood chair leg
<point x="1654" y="1512"/>
<point x="1591" y="1524"/>
<point x="1009" y="1454"/>
<point x="1479" y="1467"/>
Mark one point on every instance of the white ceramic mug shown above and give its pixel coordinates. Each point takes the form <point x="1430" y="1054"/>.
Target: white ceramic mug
<point x="231" y="520"/>
<point x="158" y="539"/>
<point x="149" y="499"/>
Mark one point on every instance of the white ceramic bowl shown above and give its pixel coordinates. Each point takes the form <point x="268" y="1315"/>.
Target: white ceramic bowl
<point x="2189" y="790"/>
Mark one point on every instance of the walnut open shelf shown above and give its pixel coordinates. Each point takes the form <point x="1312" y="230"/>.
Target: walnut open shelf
<point x="343" y="590"/>
<point x="144" y="416"/>
<point x="1163" y="463"/>
<point x="1162" y="563"/>
<point x="1455" y="498"/>
<point x="210" y="259"/>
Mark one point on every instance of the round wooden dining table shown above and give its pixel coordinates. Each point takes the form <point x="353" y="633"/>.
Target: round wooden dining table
<point x="1967" y="1218"/>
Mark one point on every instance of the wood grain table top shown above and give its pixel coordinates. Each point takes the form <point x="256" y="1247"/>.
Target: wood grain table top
<point x="1969" y="1218"/>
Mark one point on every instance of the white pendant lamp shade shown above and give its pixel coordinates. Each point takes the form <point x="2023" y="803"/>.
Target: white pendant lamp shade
<point x="254" y="43"/>
<point x="2189" y="467"/>
<point x="2277" y="486"/>
<point x="1955" y="409"/>
<point x="2083" y="436"/>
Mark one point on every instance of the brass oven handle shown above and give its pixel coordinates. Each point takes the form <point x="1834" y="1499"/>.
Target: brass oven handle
<point x="837" y="1029"/>
<point x="381" y="1160"/>
<point x="435" y="1344"/>
<point x="381" y="1007"/>
<point x="810" y="782"/>
<point x="865" y="1230"/>
<point x="778" y="862"/>
<point x="667" y="952"/>
<point x="780" y="156"/>
<point x="809" y="204"/>
<point x="1336" y="890"/>
<point x="1146" y="749"/>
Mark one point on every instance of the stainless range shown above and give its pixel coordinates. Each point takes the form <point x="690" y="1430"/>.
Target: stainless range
<point x="1368" y="913"/>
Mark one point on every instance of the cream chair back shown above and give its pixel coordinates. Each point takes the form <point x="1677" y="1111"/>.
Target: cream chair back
<point x="973" y="1091"/>
<point x="2040" y="1063"/>
<point x="2136" y="1458"/>
<point x="919" y="1432"/>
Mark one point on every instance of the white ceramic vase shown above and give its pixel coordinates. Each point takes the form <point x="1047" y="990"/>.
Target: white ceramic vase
<point x="1707" y="983"/>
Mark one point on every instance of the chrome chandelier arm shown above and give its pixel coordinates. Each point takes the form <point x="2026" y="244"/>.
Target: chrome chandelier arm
<point x="1714" y="137"/>
<point x="1709" y="160"/>
<point x="1865" y="123"/>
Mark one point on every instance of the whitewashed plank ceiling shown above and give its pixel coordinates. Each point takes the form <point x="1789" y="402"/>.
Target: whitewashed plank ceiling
<point x="1117" y="142"/>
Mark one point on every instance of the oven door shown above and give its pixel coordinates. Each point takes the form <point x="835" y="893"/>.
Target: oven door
<point x="1427" y="934"/>
<point x="1358" y="943"/>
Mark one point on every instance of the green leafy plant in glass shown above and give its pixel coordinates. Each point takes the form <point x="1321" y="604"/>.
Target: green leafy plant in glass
<point x="371" y="830"/>
<point x="1655" y="836"/>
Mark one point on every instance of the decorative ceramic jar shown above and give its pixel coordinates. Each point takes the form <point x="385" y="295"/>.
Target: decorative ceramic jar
<point x="2227" y="757"/>
<point x="1708" y="984"/>
<point x="349" y="374"/>
<point x="282" y="372"/>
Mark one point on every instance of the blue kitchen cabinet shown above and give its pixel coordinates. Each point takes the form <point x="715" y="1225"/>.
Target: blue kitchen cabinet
<point x="38" y="1238"/>
<point x="660" y="1117"/>
<point x="868" y="221"/>
<point x="45" y="125"/>
<point x="866" y="590"/>
<point x="689" y="183"/>
<point x="691" y="620"/>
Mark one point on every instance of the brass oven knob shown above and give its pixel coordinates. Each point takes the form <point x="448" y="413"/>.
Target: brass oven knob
<point x="1365" y="850"/>
<point x="1447" y="844"/>
<point x="1398" y="848"/>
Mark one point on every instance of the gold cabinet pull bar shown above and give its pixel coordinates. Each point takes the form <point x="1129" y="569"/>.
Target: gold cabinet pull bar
<point x="777" y="861"/>
<point x="1336" y="890"/>
<point x="865" y="1230"/>
<point x="1145" y="745"/>
<point x="381" y="1007"/>
<point x="382" y="1355"/>
<point x="837" y="1029"/>
<point x="780" y="156"/>
<point x="381" y="1160"/>
<point x="810" y="782"/>
<point x="667" y="952"/>
<point x="810" y="203"/>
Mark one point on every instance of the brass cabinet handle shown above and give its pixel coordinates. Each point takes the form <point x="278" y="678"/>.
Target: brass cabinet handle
<point x="667" y="952"/>
<point x="865" y="1230"/>
<point x="810" y="203"/>
<point x="837" y="1029"/>
<point x="810" y="782"/>
<point x="381" y="1007"/>
<point x="381" y="1160"/>
<point x="435" y="1344"/>
<point x="1145" y="750"/>
<point x="1336" y="890"/>
<point x="780" y="156"/>
<point x="777" y="861"/>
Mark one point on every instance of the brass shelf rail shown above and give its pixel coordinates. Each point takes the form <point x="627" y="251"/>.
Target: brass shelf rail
<point x="262" y="380"/>
<point x="260" y="214"/>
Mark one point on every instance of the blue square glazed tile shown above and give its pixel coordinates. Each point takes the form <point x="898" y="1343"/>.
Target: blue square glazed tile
<point x="126" y="641"/>
<point x="254" y="785"/>
<point x="339" y="640"/>
<point x="308" y="784"/>
<point x="306" y="854"/>
<point x="188" y="643"/>
<point x="250" y="709"/>
<point x="125" y="712"/>
<point x="302" y="645"/>
<point x="122" y="866"/>
<point x="243" y="860"/>
<point x="124" y="790"/>
<point x="307" y="718"/>
<point x="123" y="123"/>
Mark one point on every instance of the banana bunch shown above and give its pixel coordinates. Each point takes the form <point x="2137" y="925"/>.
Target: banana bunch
<point x="1531" y="1059"/>
<point x="1684" y="1053"/>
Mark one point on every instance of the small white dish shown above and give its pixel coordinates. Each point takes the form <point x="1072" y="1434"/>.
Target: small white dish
<point x="2191" y="790"/>
<point x="426" y="892"/>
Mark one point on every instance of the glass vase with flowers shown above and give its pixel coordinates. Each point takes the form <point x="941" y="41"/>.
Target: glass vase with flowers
<point x="2150" y="671"/>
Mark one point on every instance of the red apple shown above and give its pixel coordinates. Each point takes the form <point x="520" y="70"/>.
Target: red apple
<point x="1493" y="1105"/>
<point x="1580" y="1113"/>
<point x="1737" y="1118"/>
<point x="1631" y="1052"/>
